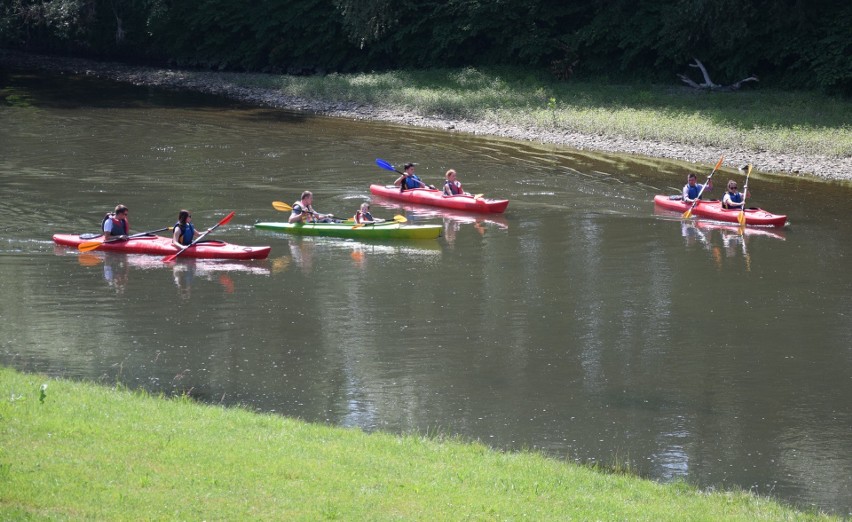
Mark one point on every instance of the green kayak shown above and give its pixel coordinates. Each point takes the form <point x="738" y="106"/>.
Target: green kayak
<point x="386" y="230"/>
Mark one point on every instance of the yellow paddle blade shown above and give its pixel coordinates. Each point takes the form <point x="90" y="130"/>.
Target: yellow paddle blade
<point x="687" y="214"/>
<point x="359" y="225"/>
<point x="280" y="205"/>
<point x="741" y="218"/>
<point x="88" y="246"/>
<point x="400" y="219"/>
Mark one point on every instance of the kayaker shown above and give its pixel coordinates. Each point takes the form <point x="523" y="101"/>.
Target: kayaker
<point x="305" y="213"/>
<point x="185" y="231"/>
<point x="363" y="215"/>
<point x="692" y="189"/>
<point x="733" y="199"/>
<point x="115" y="224"/>
<point x="409" y="180"/>
<point x="452" y="186"/>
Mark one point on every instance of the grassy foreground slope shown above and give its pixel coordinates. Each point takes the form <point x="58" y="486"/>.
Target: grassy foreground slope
<point x="82" y="451"/>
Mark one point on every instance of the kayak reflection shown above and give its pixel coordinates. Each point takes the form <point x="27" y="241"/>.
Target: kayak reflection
<point x="304" y="251"/>
<point x="724" y="241"/>
<point x="118" y="267"/>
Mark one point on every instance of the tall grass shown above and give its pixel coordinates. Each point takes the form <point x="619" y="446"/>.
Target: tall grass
<point x="763" y="119"/>
<point x="76" y="451"/>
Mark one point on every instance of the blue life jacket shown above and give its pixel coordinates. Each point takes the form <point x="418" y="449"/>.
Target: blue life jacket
<point x="187" y="232"/>
<point x="410" y="182"/>
<point x="736" y="198"/>
<point x="692" y="192"/>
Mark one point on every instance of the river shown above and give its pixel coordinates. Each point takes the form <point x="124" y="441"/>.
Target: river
<point x="581" y="323"/>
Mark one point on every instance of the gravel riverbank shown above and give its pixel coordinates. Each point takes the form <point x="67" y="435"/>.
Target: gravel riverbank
<point x="821" y="167"/>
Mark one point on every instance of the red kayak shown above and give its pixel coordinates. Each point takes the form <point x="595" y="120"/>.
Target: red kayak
<point x="162" y="246"/>
<point x="436" y="198"/>
<point x="712" y="209"/>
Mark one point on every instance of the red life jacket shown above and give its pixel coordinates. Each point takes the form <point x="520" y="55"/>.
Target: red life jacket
<point x="455" y="187"/>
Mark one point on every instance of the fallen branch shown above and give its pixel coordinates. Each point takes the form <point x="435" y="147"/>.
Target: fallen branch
<point x="708" y="83"/>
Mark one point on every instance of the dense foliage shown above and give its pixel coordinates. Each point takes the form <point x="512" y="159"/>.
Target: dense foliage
<point x="791" y="43"/>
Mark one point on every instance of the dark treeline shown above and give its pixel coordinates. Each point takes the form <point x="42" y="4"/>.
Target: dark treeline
<point x="788" y="43"/>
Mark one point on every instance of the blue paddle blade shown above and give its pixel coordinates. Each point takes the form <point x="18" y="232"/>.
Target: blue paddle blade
<point x="384" y="164"/>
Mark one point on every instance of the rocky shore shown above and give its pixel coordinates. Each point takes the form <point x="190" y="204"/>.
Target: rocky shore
<point x="822" y="167"/>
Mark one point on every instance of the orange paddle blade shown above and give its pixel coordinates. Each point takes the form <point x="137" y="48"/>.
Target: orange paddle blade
<point x="88" y="246"/>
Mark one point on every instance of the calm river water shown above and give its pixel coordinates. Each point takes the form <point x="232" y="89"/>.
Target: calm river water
<point x="581" y="322"/>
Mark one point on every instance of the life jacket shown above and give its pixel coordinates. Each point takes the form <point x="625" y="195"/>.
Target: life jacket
<point x="692" y="191"/>
<point x="363" y="216"/>
<point x="187" y="232"/>
<point x="735" y="198"/>
<point x="299" y="209"/>
<point x="409" y="182"/>
<point x="455" y="187"/>
<point x="120" y="227"/>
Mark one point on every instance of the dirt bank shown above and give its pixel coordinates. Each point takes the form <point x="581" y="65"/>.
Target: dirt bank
<point x="210" y="82"/>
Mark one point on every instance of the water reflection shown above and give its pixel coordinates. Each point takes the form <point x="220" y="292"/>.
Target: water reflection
<point x="117" y="269"/>
<point x="725" y="243"/>
<point x="306" y="251"/>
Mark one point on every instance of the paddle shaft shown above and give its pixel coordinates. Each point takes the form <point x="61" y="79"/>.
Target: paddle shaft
<point x="741" y="218"/>
<point x="396" y="219"/>
<point x="284" y="207"/>
<point x="88" y="246"/>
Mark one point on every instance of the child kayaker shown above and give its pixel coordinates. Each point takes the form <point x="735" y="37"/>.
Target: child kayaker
<point x="364" y="216"/>
<point x="452" y="186"/>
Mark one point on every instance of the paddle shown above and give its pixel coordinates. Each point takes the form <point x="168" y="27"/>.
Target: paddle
<point x="88" y="246"/>
<point x="284" y="207"/>
<point x="396" y="219"/>
<point x="387" y="166"/>
<point x="741" y="218"/>
<point x="688" y="213"/>
<point x="281" y="206"/>
<point x="224" y="220"/>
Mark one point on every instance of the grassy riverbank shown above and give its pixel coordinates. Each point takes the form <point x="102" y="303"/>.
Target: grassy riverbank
<point x="776" y="131"/>
<point x="80" y="451"/>
<point x="764" y="119"/>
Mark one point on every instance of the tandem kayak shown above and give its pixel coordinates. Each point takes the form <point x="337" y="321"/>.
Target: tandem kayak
<point x="713" y="210"/>
<point x="436" y="198"/>
<point x="384" y="230"/>
<point x="158" y="245"/>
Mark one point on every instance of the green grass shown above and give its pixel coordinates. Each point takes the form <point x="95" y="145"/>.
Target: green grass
<point x="84" y="451"/>
<point x="761" y="119"/>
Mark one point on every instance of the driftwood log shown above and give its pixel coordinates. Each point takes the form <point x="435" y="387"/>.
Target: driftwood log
<point x="708" y="83"/>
